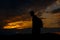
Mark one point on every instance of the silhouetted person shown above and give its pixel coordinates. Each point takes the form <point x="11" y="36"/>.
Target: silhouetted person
<point x="37" y="22"/>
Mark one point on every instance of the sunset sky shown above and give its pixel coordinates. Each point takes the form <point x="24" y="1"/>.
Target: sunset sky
<point x="12" y="8"/>
<point x="14" y="11"/>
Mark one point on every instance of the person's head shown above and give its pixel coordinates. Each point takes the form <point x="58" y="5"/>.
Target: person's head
<point x="31" y="13"/>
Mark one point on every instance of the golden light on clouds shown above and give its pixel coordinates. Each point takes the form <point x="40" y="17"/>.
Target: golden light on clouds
<point x="18" y="22"/>
<point x="51" y="20"/>
<point x="19" y="25"/>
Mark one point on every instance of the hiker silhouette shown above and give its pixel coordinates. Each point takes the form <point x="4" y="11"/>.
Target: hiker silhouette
<point x="37" y="22"/>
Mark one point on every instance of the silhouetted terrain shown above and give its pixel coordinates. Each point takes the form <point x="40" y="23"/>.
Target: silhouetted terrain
<point x="15" y="31"/>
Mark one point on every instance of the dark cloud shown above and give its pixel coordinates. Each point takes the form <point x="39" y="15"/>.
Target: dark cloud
<point x="12" y="4"/>
<point x="56" y="11"/>
<point x="17" y="7"/>
<point x="8" y="4"/>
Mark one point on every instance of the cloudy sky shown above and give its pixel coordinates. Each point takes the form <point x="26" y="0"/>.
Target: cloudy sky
<point x="10" y="8"/>
<point x="15" y="7"/>
<point x="15" y="3"/>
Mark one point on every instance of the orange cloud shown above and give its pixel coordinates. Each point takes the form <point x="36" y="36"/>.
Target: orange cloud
<point x="18" y="23"/>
